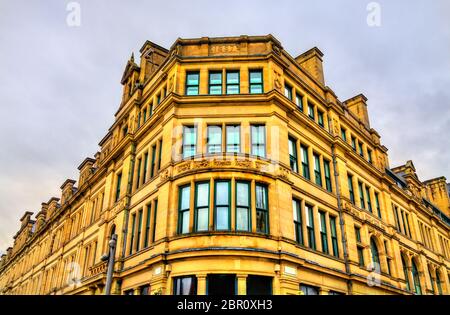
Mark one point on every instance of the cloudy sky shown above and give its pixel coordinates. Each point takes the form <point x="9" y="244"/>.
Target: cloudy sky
<point x="60" y="85"/>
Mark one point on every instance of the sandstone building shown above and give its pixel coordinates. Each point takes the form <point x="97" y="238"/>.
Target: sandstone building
<point x="232" y="168"/>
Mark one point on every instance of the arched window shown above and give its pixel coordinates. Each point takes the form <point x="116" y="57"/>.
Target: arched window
<point x="431" y="280"/>
<point x="438" y="283"/>
<point x="374" y="250"/>
<point x="405" y="273"/>
<point x="415" y="274"/>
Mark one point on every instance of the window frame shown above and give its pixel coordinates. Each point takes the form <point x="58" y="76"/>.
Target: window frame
<point x="265" y="212"/>
<point x="227" y="138"/>
<point x="183" y="145"/>
<point x="216" y="205"/>
<point x="251" y="84"/>
<point x="258" y="145"/>
<point x="181" y="211"/>
<point x="238" y="84"/>
<point x="248" y="208"/>
<point x="208" y="137"/>
<point x="293" y="156"/>
<point x="197" y="208"/>
<point x="187" y="85"/>
<point x="212" y="72"/>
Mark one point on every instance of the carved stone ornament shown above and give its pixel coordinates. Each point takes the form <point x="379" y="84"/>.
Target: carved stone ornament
<point x="277" y="80"/>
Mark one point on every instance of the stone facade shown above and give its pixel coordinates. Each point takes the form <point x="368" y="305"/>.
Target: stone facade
<point x="311" y="205"/>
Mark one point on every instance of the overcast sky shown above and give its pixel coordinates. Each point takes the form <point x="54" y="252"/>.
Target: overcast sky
<point x="60" y="85"/>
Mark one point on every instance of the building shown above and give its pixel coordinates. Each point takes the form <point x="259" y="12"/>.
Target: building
<point x="232" y="168"/>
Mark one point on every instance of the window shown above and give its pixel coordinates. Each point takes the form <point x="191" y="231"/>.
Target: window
<point x="288" y="91"/>
<point x="185" y="285"/>
<point x="309" y="290"/>
<point x="360" y="146"/>
<point x="335" y="293"/>
<point x="396" y="217"/>
<point x="296" y="206"/>
<point x="258" y="140"/>
<point x="362" y="202"/>
<point x="344" y="134"/>
<point x="183" y="209"/>
<point x="201" y="206"/>
<point x="354" y="143"/>
<point x="144" y="115"/>
<point x="388" y="260"/>
<point x="243" y="217"/>
<point x="159" y="154"/>
<point x="334" y="240"/>
<point x="416" y="279"/>
<point x="256" y="81"/>
<point x="128" y="292"/>
<point x="232" y="82"/>
<point x="310" y="226"/>
<point x="326" y="166"/>
<point x="189" y="141"/>
<point x="369" y="202"/>
<point x="293" y="154"/>
<point x="214" y="140"/>
<point x="407" y="225"/>
<point x="144" y="179"/>
<point x="158" y="99"/>
<point x="305" y="161"/>
<point x="192" y="83"/>
<point x="133" y="227"/>
<point x="139" y="120"/>
<point x="320" y="119"/>
<point x="222" y="205"/>
<point x="119" y="180"/>
<point x="221" y="284"/>
<point x="215" y="83"/>
<point x="147" y="226"/>
<point x="144" y="290"/>
<point x="369" y="155"/>
<point x="438" y="283"/>
<point x="359" y="247"/>
<point x="299" y="101"/>
<point x="375" y="254"/>
<point x="350" y="189"/>
<point x="233" y="138"/>
<point x="138" y="174"/>
<point x="262" y="209"/>
<point x="377" y="204"/>
<point x="155" y="216"/>
<point x="323" y="232"/>
<point x="152" y="164"/>
<point x="405" y="274"/>
<point x="139" y="230"/>
<point x="311" y="111"/>
<point x="259" y="285"/>
<point x="317" y="170"/>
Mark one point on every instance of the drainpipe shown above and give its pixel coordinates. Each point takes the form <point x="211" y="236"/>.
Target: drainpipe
<point x="341" y="220"/>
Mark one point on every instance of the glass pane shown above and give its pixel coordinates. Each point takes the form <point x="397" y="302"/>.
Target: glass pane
<point x="186" y="286"/>
<point x="185" y="196"/>
<point x="232" y="89"/>
<point x="256" y="89"/>
<point x="215" y="90"/>
<point x="202" y="219"/>
<point x="255" y="77"/>
<point x="202" y="195"/>
<point x="261" y="197"/>
<point x="192" y="90"/>
<point x="222" y="193"/>
<point x="222" y="218"/>
<point x="215" y="78"/>
<point x="233" y="135"/>
<point x="292" y="148"/>
<point x="192" y="79"/>
<point x="295" y="206"/>
<point x="261" y="221"/>
<point x="242" y="219"/>
<point x="232" y="77"/>
<point x="185" y="222"/>
<point x="188" y="151"/>
<point x="189" y="136"/>
<point x="242" y="194"/>
<point x="214" y="135"/>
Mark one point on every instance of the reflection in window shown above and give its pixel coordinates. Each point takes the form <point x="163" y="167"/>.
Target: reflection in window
<point x="222" y="205"/>
<point x="243" y="206"/>
<point x="185" y="285"/>
<point x="261" y="209"/>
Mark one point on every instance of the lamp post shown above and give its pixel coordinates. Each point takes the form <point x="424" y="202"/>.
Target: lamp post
<point x="110" y="257"/>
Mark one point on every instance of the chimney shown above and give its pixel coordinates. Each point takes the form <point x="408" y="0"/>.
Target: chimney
<point x="357" y="105"/>
<point x="152" y="56"/>
<point x="53" y="205"/>
<point x="311" y="61"/>
<point x="25" y="219"/>
<point x="41" y="216"/>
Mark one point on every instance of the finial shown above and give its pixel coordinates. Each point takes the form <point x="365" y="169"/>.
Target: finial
<point x="132" y="57"/>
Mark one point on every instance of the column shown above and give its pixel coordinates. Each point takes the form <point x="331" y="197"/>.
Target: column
<point x="201" y="284"/>
<point x="241" y="284"/>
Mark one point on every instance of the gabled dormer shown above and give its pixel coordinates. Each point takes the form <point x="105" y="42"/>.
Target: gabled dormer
<point x="86" y="169"/>
<point x="130" y="79"/>
<point x="67" y="190"/>
<point x="437" y="193"/>
<point x="53" y="206"/>
<point x="409" y="175"/>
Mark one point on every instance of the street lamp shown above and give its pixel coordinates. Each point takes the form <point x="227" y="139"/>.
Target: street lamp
<point x="110" y="258"/>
